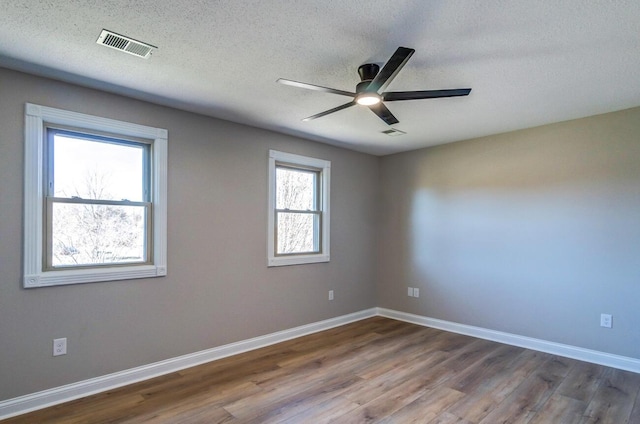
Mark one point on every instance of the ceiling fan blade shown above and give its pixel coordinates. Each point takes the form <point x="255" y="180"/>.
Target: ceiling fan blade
<point x="428" y="94"/>
<point x="390" y="69"/>
<point x="327" y="112"/>
<point x="315" y="87"/>
<point x="384" y="114"/>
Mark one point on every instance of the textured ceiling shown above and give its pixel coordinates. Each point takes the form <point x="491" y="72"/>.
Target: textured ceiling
<point x="528" y="63"/>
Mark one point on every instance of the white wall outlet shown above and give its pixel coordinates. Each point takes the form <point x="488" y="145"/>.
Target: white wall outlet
<point x="60" y="346"/>
<point x="330" y="294"/>
<point x="606" y="320"/>
<point x="410" y="292"/>
<point x="416" y="292"/>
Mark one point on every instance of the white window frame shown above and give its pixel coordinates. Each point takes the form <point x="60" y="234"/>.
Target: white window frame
<point x="293" y="161"/>
<point x="35" y="273"/>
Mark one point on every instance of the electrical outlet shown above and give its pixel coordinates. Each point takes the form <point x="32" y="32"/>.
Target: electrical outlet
<point x="410" y="292"/>
<point x="416" y="292"/>
<point x="606" y="320"/>
<point x="59" y="346"/>
<point x="330" y="294"/>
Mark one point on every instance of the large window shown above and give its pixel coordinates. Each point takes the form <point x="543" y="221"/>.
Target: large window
<point x="298" y="209"/>
<point x="95" y="199"/>
<point x="98" y="209"/>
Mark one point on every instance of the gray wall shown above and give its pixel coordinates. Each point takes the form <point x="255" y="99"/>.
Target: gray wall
<point x="218" y="290"/>
<point x="534" y="232"/>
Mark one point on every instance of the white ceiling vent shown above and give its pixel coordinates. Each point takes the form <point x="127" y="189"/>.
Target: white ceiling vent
<point x="393" y="132"/>
<point x="125" y="44"/>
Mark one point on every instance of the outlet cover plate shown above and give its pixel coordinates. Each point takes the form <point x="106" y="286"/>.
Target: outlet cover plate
<point x="60" y="346"/>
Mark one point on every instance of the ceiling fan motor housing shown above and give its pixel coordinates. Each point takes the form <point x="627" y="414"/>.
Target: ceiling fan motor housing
<point x="367" y="72"/>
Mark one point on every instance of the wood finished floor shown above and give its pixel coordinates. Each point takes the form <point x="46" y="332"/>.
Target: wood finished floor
<point x="376" y="370"/>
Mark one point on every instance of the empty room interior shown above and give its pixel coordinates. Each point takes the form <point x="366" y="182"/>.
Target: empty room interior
<point x="305" y="212"/>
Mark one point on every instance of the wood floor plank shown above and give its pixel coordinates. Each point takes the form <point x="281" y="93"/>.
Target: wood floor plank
<point x="582" y="381"/>
<point x="299" y="403"/>
<point x="388" y="357"/>
<point x="203" y="414"/>
<point x="343" y="356"/>
<point x="449" y="418"/>
<point x="426" y="408"/>
<point x="560" y="409"/>
<point x="327" y="411"/>
<point x="500" y="380"/>
<point x="335" y="353"/>
<point x="488" y="372"/>
<point x="634" y="417"/>
<point x="470" y="354"/>
<point x="374" y="370"/>
<point x="214" y="398"/>
<point x="288" y="395"/>
<point x="368" y="389"/>
<point x="615" y="398"/>
<point x="528" y="397"/>
<point x="388" y="403"/>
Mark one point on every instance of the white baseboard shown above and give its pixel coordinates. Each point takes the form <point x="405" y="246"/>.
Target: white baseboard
<point x="568" y="351"/>
<point x="57" y="395"/>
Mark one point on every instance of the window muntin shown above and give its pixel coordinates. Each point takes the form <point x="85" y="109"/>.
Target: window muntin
<point x="98" y="203"/>
<point x="48" y="197"/>
<point x="298" y="209"/>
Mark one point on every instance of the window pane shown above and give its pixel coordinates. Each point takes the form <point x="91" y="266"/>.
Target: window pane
<point x="297" y="233"/>
<point x="295" y="189"/>
<point x="86" y="234"/>
<point x="93" y="169"/>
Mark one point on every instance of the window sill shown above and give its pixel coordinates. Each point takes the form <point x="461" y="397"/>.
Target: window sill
<point x="297" y="260"/>
<point x="80" y="276"/>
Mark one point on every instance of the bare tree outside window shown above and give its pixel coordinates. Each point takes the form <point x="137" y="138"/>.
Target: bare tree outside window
<point x="87" y="234"/>
<point x="297" y="205"/>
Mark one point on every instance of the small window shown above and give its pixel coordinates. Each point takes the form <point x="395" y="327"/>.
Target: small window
<point x="95" y="199"/>
<point x="298" y="209"/>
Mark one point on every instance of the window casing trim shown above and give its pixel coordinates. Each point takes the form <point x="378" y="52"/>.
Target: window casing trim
<point x="277" y="158"/>
<point x="34" y="275"/>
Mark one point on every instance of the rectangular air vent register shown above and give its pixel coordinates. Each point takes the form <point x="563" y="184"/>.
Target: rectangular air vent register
<point x="125" y="44"/>
<point x="393" y="132"/>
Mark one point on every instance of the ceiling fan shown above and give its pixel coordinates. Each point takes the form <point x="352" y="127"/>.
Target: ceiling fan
<point x="373" y="80"/>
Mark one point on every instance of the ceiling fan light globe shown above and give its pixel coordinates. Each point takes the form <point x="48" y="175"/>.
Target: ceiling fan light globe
<point x="368" y="99"/>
